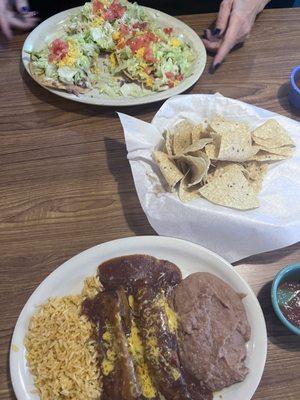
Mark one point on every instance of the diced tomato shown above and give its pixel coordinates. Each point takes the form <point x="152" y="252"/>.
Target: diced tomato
<point x="148" y="56"/>
<point x="143" y="40"/>
<point x="140" y="25"/>
<point x="170" y="75"/>
<point x="97" y="6"/>
<point x="58" y="50"/>
<point x="180" y="77"/>
<point x="124" y="29"/>
<point x="171" y="84"/>
<point x="151" y="37"/>
<point x="168" y="31"/>
<point x="114" y="11"/>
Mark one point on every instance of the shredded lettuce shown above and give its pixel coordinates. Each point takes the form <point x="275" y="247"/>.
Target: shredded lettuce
<point x="103" y="36"/>
<point x="66" y="75"/>
<point x="90" y="38"/>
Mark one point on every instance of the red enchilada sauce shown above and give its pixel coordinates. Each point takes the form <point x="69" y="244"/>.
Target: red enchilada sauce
<point x="137" y="343"/>
<point x="291" y="308"/>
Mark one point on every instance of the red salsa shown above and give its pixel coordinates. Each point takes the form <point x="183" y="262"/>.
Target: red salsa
<point x="291" y="306"/>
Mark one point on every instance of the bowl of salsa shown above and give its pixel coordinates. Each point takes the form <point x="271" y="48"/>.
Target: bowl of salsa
<point x="285" y="295"/>
<point x="294" y="95"/>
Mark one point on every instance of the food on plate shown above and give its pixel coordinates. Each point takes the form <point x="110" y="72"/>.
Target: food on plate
<point x="208" y="308"/>
<point x="60" y="348"/>
<point x="289" y="300"/>
<point x="139" y="331"/>
<point x="115" y="47"/>
<point x="221" y="160"/>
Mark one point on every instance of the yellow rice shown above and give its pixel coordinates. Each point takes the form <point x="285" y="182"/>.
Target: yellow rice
<point x="61" y="352"/>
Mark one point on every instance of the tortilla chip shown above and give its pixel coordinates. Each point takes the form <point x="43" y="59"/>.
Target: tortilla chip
<point x="223" y="167"/>
<point x="236" y="145"/>
<point x="256" y="172"/>
<point x="169" y="142"/>
<point x="271" y="135"/>
<point x="286" y="151"/>
<point x="230" y="188"/>
<point x="185" y="193"/>
<point x="222" y="126"/>
<point x="263" y="156"/>
<point x="197" y="145"/>
<point x="198" y="167"/>
<point x="212" y="150"/>
<point x="168" y="168"/>
<point x="198" y="132"/>
<point x="182" y="136"/>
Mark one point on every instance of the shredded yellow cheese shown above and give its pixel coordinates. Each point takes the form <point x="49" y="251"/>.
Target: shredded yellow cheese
<point x="71" y="57"/>
<point x="140" y="52"/>
<point x="175" y="42"/>
<point x="116" y="35"/>
<point x="97" y="22"/>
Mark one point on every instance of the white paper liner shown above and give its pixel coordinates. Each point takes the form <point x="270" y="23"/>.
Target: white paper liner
<point x="231" y="233"/>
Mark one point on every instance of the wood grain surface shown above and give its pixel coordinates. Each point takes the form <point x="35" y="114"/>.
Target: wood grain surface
<point x="65" y="183"/>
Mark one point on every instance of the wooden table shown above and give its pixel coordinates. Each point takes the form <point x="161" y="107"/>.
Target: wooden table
<point x="66" y="184"/>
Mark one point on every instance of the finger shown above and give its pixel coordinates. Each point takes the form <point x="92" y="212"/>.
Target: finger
<point x="24" y="24"/>
<point x="223" y="17"/>
<point x="22" y="6"/>
<point x="231" y="38"/>
<point x="209" y="36"/>
<point x="4" y="26"/>
<point x="211" y="46"/>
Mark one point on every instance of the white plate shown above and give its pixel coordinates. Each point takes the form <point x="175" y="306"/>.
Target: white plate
<point x="69" y="277"/>
<point x="48" y="29"/>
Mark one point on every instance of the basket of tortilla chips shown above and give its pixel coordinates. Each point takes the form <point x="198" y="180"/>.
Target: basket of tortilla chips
<point x="218" y="172"/>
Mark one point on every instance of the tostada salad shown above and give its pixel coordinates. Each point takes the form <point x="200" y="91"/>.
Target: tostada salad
<point x="115" y="47"/>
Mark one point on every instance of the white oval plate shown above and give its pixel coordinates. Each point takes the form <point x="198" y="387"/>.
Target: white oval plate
<point x="69" y="277"/>
<point x="48" y="29"/>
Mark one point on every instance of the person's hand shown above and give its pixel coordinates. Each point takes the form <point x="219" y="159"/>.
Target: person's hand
<point x="16" y="15"/>
<point x="233" y="26"/>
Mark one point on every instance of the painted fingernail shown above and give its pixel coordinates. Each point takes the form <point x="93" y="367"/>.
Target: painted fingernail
<point x="25" y="9"/>
<point x="216" y="31"/>
<point x="216" y="66"/>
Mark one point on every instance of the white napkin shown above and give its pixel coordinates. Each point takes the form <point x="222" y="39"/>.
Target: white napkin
<point x="231" y="233"/>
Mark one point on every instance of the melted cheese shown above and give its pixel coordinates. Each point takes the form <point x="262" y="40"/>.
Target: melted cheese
<point x="171" y="315"/>
<point x="137" y="351"/>
<point x="108" y="363"/>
